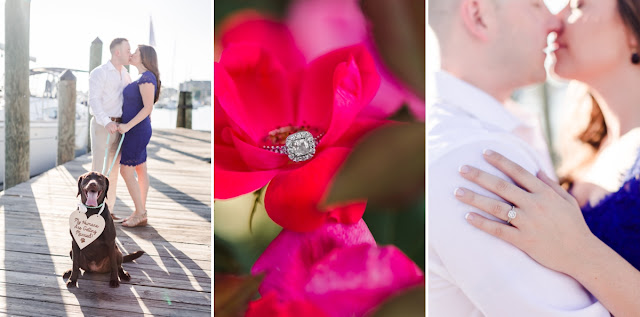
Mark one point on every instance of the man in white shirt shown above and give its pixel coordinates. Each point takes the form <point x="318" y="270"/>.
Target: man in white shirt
<point x="488" y="48"/>
<point x="106" y="83"/>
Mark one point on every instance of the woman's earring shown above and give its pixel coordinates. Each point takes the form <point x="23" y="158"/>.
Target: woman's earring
<point x="635" y="58"/>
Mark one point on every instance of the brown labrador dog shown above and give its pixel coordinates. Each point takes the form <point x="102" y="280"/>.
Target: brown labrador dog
<point x="102" y="255"/>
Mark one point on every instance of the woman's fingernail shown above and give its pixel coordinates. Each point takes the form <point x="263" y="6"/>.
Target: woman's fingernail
<point x="464" y="169"/>
<point x="459" y="192"/>
<point x="468" y="216"/>
<point x="488" y="152"/>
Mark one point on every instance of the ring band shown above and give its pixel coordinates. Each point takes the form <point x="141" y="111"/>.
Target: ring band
<point x="512" y="214"/>
<point x="299" y="146"/>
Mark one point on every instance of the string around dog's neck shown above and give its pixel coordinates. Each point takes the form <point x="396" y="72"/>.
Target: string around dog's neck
<point x="84" y="208"/>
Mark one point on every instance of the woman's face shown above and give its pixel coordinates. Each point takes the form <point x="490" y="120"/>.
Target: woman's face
<point x="594" y="40"/>
<point x="135" y="58"/>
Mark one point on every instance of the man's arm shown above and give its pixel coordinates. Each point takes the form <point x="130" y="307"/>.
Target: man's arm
<point x="97" y="80"/>
<point x="496" y="277"/>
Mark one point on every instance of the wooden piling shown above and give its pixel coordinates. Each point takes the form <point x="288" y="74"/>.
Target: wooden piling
<point x="95" y="60"/>
<point x="17" y="94"/>
<point x="66" y="117"/>
<point x="185" y="107"/>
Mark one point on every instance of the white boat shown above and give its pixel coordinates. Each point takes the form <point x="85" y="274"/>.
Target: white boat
<point x="43" y="138"/>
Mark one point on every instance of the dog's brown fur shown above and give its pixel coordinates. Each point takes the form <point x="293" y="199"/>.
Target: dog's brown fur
<point x="102" y="255"/>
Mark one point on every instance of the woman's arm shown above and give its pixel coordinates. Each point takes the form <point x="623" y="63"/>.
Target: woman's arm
<point x="549" y="226"/>
<point x="147" y="91"/>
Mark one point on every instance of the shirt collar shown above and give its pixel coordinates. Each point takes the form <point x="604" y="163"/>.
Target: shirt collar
<point x="474" y="101"/>
<point x="113" y="67"/>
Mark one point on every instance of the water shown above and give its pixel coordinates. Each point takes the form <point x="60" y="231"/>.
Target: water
<point x="163" y="118"/>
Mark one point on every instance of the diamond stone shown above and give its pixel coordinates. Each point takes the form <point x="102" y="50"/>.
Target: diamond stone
<point x="512" y="213"/>
<point x="300" y="146"/>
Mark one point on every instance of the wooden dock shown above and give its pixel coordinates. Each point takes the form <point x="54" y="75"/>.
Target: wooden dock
<point x="173" y="278"/>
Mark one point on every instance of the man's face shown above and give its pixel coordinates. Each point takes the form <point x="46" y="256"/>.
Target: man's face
<point x="521" y="38"/>
<point x="125" y="52"/>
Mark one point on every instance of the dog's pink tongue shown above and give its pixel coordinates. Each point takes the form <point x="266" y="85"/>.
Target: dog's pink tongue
<point x="92" y="199"/>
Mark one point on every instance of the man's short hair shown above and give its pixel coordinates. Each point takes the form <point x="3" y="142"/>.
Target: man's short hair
<point x="116" y="42"/>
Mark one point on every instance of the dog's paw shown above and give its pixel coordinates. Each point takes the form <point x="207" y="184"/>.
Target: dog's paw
<point x="66" y="274"/>
<point x="125" y="276"/>
<point x="71" y="284"/>
<point x="114" y="283"/>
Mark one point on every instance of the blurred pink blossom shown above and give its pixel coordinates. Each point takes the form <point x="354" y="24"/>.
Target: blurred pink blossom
<point x="337" y="267"/>
<point x="319" y="26"/>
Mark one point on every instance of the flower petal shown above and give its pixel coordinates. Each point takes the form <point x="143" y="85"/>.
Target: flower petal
<point x="226" y="97"/>
<point x="266" y="96"/>
<point x="230" y="184"/>
<point x="287" y="260"/>
<point x="222" y="125"/>
<point x="232" y="177"/>
<point x="293" y="196"/>
<point x="352" y="281"/>
<point x="270" y="306"/>
<point x="272" y="35"/>
<point x="321" y="26"/>
<point x="335" y="88"/>
<point x="258" y="158"/>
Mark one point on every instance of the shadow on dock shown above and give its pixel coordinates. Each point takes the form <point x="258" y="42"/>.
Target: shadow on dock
<point x="172" y="278"/>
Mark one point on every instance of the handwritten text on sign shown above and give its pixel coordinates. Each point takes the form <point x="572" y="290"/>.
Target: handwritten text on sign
<point x="85" y="230"/>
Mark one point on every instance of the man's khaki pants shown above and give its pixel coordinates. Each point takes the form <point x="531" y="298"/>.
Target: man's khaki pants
<point x="98" y="145"/>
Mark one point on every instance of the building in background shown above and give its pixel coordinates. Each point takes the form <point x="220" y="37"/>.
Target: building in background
<point x="200" y="91"/>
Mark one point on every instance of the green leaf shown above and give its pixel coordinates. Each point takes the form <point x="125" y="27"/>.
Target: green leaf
<point x="233" y="293"/>
<point x="404" y="229"/>
<point x="399" y="31"/>
<point x="226" y="261"/>
<point x="387" y="168"/>
<point x="408" y="304"/>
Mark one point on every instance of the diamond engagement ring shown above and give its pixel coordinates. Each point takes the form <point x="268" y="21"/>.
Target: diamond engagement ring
<point x="299" y="146"/>
<point x="512" y="214"/>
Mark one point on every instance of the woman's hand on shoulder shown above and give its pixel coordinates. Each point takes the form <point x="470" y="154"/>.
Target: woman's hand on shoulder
<point x="548" y="223"/>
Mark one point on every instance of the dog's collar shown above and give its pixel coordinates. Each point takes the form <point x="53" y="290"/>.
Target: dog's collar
<point x="83" y="208"/>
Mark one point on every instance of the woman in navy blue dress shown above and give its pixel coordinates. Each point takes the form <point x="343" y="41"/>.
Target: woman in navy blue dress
<point x="592" y="234"/>
<point x="139" y="98"/>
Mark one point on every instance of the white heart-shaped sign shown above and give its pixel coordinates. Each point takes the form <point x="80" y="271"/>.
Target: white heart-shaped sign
<point x="85" y="230"/>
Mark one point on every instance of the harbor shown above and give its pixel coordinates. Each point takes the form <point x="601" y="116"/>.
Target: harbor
<point x="172" y="278"/>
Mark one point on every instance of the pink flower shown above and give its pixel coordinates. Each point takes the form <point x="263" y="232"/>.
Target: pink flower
<point x="259" y="101"/>
<point x="269" y="306"/>
<point x="249" y="26"/>
<point x="319" y="26"/>
<point x="337" y="268"/>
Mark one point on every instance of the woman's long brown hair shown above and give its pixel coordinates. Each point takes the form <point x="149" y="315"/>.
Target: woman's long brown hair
<point x="596" y="129"/>
<point x="149" y="60"/>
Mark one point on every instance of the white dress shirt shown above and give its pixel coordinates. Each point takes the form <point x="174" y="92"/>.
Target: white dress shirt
<point x="106" y="84"/>
<point x="472" y="273"/>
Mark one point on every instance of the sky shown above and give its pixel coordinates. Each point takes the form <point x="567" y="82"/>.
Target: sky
<point x="61" y="33"/>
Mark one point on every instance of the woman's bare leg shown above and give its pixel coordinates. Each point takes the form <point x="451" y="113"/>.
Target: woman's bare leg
<point x="143" y="183"/>
<point x="127" y="173"/>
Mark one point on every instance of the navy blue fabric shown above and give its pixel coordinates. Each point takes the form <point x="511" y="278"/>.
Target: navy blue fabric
<point x="134" y="146"/>
<point x="616" y="219"/>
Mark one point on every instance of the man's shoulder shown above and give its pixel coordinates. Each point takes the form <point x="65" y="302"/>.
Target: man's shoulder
<point x="453" y="132"/>
<point x="98" y="70"/>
